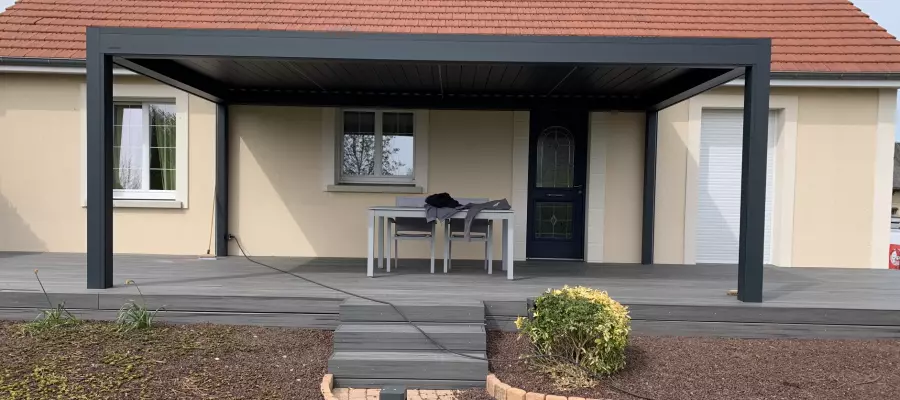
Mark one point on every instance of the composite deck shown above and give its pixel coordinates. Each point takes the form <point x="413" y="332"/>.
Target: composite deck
<point x="664" y="299"/>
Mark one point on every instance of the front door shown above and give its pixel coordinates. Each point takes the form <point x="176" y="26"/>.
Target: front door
<point x="556" y="184"/>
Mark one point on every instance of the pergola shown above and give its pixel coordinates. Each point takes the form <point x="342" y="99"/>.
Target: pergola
<point x="231" y="67"/>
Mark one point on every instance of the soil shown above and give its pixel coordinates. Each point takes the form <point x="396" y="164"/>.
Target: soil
<point x="674" y="368"/>
<point x="94" y="361"/>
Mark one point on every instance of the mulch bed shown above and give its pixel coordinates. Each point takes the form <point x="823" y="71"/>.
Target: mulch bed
<point x="93" y="361"/>
<point x="673" y="368"/>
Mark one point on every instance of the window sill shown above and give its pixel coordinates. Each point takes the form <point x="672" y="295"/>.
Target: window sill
<point x="128" y="203"/>
<point x="408" y="189"/>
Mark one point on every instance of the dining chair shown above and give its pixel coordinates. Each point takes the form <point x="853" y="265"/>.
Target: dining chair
<point x="481" y="230"/>
<point x="409" y="228"/>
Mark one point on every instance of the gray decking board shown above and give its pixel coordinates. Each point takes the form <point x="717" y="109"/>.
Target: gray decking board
<point x="651" y="291"/>
<point x="459" y="311"/>
<point x="762" y="330"/>
<point x="755" y="314"/>
<point x="500" y="308"/>
<point x="292" y="320"/>
<point x="407" y="365"/>
<point x="301" y="305"/>
<point x="409" y="383"/>
<point x="25" y="299"/>
<point x="402" y="336"/>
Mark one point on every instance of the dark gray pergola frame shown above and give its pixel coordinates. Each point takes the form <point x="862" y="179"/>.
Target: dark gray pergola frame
<point x="122" y="46"/>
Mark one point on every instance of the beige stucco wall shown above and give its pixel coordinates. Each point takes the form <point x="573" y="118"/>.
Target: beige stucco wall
<point x="41" y="183"/>
<point x="671" y="178"/>
<point x="834" y="189"/>
<point x="279" y="205"/>
<point x="623" y="184"/>
<point x="835" y="150"/>
<point x="280" y="208"/>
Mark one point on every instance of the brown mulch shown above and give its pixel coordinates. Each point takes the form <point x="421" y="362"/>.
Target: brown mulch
<point x="93" y="361"/>
<point x="672" y="368"/>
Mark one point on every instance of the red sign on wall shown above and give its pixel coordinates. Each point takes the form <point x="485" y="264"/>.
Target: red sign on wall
<point x="894" y="262"/>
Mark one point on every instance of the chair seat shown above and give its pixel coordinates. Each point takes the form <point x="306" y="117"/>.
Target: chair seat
<point x="413" y="234"/>
<point x="473" y="235"/>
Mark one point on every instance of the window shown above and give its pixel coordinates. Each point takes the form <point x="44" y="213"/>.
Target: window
<point x="144" y="151"/>
<point x="377" y="147"/>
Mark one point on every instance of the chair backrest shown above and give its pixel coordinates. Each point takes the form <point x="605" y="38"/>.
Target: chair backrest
<point x="410" y="202"/>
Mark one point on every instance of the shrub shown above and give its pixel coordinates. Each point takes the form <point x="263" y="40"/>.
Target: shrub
<point x="57" y="316"/>
<point x="579" y="325"/>
<point x="134" y="316"/>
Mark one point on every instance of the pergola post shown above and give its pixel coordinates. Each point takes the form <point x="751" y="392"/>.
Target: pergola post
<point x="221" y="194"/>
<point x="753" y="181"/>
<point x="99" y="165"/>
<point x="649" y="206"/>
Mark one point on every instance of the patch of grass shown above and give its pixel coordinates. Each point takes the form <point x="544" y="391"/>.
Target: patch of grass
<point x="52" y="318"/>
<point x="133" y="316"/>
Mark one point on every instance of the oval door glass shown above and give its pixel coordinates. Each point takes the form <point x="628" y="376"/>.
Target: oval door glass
<point x="555" y="158"/>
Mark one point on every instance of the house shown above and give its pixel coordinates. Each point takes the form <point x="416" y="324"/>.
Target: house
<point x="616" y="129"/>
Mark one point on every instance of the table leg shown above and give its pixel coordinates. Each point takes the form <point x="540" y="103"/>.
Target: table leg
<point x="446" y="244"/>
<point x="509" y="227"/>
<point x="505" y="244"/>
<point x="380" y="242"/>
<point x="390" y="240"/>
<point x="370" y="245"/>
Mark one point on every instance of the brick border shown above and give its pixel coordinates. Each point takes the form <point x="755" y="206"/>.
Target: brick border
<point x="501" y="391"/>
<point x="327" y="387"/>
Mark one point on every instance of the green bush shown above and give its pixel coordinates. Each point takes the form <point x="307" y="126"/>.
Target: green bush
<point x="579" y="325"/>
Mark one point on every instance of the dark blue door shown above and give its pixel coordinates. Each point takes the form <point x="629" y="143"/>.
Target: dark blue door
<point x="556" y="177"/>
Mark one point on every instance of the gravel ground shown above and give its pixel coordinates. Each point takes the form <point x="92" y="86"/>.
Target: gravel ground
<point x="93" y="361"/>
<point x="708" y="368"/>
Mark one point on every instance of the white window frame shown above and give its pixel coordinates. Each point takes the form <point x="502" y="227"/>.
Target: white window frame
<point x="378" y="178"/>
<point x="139" y="92"/>
<point x="146" y="193"/>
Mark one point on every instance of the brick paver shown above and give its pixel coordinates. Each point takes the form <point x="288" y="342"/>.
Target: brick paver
<point x="412" y="394"/>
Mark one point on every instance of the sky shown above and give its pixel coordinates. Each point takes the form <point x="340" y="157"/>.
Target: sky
<point x="885" y="12"/>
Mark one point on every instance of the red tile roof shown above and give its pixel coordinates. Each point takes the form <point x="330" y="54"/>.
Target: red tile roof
<point x="808" y="35"/>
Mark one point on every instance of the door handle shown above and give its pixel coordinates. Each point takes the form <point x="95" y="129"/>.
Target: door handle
<point x="555" y="195"/>
<point x="577" y="186"/>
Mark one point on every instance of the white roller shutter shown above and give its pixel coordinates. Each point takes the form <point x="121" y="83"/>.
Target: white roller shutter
<point x="719" y="200"/>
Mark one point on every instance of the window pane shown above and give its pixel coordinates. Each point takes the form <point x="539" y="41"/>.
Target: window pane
<point x="553" y="221"/>
<point x="162" y="158"/>
<point x="398" y="155"/>
<point x="162" y="136"/>
<point x="397" y="123"/>
<point x="359" y="122"/>
<point x="162" y="114"/>
<point x="128" y="147"/>
<point x="162" y="179"/>
<point x="555" y="158"/>
<point x="358" y="147"/>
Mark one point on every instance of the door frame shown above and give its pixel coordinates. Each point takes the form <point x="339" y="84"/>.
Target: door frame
<point x="581" y="157"/>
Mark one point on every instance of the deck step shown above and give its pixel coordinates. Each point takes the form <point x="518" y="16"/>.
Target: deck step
<point x="391" y="336"/>
<point x="356" y="310"/>
<point x="407" y="365"/>
<point x="442" y="384"/>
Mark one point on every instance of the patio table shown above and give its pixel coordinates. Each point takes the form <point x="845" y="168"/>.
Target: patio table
<point x="379" y="213"/>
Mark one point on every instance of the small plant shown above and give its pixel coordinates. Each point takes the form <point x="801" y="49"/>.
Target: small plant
<point x="56" y="316"/>
<point x="134" y="316"/>
<point x="582" y="333"/>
